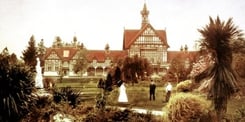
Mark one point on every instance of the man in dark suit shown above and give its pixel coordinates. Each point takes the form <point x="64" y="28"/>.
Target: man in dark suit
<point x="152" y="90"/>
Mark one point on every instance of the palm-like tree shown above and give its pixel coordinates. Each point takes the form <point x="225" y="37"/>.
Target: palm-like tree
<point x="16" y="87"/>
<point x="217" y="36"/>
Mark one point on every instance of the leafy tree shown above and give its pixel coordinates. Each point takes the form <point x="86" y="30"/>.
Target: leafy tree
<point x="57" y="42"/>
<point x="178" y="68"/>
<point x="239" y="64"/>
<point x="81" y="62"/>
<point x="217" y="36"/>
<point x="16" y="88"/>
<point x="30" y="54"/>
<point x="135" y="67"/>
<point x="41" y="49"/>
<point x="238" y="48"/>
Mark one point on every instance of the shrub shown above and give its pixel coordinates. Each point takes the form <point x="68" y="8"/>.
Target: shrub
<point x="187" y="107"/>
<point x="237" y="116"/>
<point x="116" y="115"/>
<point x="16" y="87"/>
<point x="184" y="86"/>
<point x="48" y="83"/>
<point x="42" y="111"/>
<point x="66" y="94"/>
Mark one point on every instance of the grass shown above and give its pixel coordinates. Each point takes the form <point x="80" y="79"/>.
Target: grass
<point x="138" y="96"/>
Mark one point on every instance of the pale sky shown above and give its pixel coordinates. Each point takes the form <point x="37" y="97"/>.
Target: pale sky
<point x="97" y="22"/>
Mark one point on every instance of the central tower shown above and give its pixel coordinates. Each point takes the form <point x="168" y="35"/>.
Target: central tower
<point x="144" y="14"/>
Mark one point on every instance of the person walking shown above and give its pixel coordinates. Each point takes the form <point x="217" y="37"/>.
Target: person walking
<point x="168" y="91"/>
<point x="152" y="90"/>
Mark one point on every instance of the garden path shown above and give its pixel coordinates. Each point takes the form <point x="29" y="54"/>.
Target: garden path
<point x="145" y="111"/>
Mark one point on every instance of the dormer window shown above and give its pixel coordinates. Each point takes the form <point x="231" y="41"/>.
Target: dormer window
<point x="66" y="53"/>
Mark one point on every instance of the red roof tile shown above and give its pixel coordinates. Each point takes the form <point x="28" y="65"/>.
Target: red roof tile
<point x="101" y="55"/>
<point x="191" y="55"/>
<point x="60" y="52"/>
<point x="130" y="36"/>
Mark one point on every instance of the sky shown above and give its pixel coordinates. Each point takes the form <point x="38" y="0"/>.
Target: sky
<point x="96" y="23"/>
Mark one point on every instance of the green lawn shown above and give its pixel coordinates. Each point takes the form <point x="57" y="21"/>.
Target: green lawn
<point x="138" y="95"/>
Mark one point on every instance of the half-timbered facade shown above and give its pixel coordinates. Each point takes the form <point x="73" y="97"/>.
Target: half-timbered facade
<point x="60" y="61"/>
<point x="147" y="42"/>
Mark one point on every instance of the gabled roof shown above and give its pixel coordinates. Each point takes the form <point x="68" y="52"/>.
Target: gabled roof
<point x="99" y="55"/>
<point x="60" y="52"/>
<point x="130" y="36"/>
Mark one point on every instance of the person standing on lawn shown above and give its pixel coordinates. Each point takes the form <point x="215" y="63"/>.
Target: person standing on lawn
<point x="168" y="91"/>
<point x="122" y="94"/>
<point x="152" y="90"/>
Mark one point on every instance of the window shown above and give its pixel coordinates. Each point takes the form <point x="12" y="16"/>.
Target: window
<point x="66" y="53"/>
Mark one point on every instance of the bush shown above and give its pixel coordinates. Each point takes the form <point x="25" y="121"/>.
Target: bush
<point x="184" y="86"/>
<point x="42" y="111"/>
<point x="187" y="107"/>
<point x="48" y="83"/>
<point x="66" y="94"/>
<point x="16" y="87"/>
<point x="116" y="115"/>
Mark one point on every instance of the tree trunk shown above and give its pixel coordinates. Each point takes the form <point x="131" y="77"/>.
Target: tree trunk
<point x="220" y="108"/>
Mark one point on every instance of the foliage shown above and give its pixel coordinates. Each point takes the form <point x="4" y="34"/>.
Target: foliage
<point x="41" y="49"/>
<point x="179" y="67"/>
<point x="66" y="94"/>
<point x="217" y="36"/>
<point x="48" y="83"/>
<point x="204" y="61"/>
<point x="43" y="110"/>
<point x="81" y="62"/>
<point x="57" y="42"/>
<point x="239" y="64"/>
<point x="116" y="115"/>
<point x="16" y="87"/>
<point x="184" y="86"/>
<point x="30" y="54"/>
<point x="241" y="113"/>
<point x="101" y="102"/>
<point x="135" y="68"/>
<point x="187" y="107"/>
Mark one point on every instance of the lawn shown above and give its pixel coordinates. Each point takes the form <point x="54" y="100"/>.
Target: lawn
<point x="138" y="96"/>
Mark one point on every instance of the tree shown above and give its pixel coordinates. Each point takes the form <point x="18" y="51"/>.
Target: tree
<point x="57" y="42"/>
<point x="180" y="66"/>
<point x="30" y="54"/>
<point x="135" y="67"/>
<point x="41" y="49"/>
<point x="216" y="38"/>
<point x="16" y="87"/>
<point x="81" y="62"/>
<point x="238" y="48"/>
<point x="176" y="68"/>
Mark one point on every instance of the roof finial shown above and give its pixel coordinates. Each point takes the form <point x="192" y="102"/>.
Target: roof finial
<point x="144" y="14"/>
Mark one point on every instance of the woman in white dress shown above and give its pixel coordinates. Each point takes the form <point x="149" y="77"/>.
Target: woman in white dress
<point x="122" y="94"/>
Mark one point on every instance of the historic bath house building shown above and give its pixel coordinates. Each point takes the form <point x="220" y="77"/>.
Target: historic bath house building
<point x="146" y="42"/>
